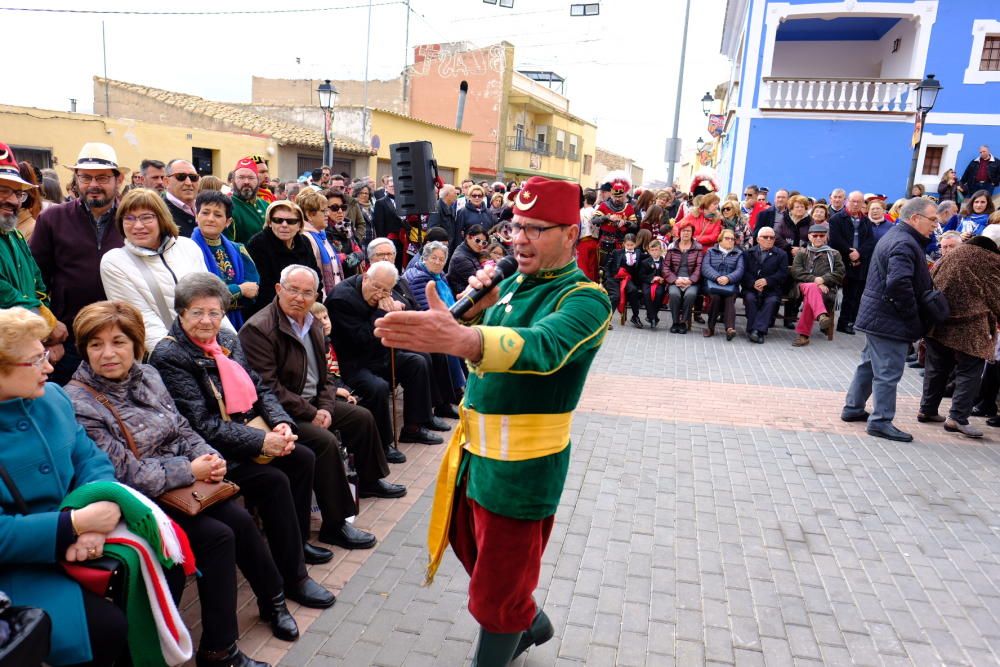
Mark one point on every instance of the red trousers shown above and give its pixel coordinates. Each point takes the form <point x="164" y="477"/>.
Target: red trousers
<point x="503" y="557"/>
<point x="812" y="307"/>
<point x="586" y="257"/>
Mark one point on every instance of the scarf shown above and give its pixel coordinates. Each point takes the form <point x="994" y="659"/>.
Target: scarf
<point x="235" y="260"/>
<point x="975" y="223"/>
<point x="443" y="289"/>
<point x="237" y="387"/>
<point x="145" y="541"/>
<point x="814" y="254"/>
<point x="320" y="237"/>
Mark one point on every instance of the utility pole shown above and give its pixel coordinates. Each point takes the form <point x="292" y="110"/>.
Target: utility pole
<point x="368" y="46"/>
<point x="107" y="95"/>
<point x="406" y="59"/>
<point x="680" y="90"/>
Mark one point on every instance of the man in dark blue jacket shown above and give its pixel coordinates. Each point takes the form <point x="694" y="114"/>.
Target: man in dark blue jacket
<point x="890" y="317"/>
<point x="851" y="235"/>
<point x="763" y="283"/>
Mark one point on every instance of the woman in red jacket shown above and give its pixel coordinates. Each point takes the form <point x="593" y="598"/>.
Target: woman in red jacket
<point x="706" y="221"/>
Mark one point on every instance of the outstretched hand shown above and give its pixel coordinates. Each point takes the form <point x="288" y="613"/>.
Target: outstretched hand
<point x="431" y="330"/>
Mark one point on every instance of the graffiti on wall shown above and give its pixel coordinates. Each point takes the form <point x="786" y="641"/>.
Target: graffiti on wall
<point x="452" y="61"/>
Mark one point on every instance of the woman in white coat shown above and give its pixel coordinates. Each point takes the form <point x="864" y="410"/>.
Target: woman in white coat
<point x="145" y="271"/>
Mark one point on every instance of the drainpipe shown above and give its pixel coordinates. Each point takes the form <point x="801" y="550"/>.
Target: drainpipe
<point x="463" y="90"/>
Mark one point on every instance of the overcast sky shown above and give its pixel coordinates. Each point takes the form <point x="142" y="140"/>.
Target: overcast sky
<point x="621" y="67"/>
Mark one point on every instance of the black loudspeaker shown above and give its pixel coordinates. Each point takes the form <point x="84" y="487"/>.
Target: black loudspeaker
<point x="414" y="172"/>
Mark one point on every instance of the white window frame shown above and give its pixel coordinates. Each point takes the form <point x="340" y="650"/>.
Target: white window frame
<point x="952" y="145"/>
<point x="980" y="29"/>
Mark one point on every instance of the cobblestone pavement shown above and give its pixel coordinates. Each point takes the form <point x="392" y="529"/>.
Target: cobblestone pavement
<point x="717" y="512"/>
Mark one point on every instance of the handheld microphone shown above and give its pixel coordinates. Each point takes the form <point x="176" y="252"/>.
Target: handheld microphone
<point x="504" y="268"/>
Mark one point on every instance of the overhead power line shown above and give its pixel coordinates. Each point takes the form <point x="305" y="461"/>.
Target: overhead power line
<point x="219" y="12"/>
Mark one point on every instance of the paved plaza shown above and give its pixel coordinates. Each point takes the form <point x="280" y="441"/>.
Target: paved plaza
<point x="716" y="512"/>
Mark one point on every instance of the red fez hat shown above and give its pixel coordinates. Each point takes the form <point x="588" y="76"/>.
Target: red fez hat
<point x="9" y="171"/>
<point x="620" y="186"/>
<point x="247" y="163"/>
<point x="553" y="201"/>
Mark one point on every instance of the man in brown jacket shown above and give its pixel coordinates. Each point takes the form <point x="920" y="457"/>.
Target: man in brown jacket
<point x="284" y="344"/>
<point x="969" y="277"/>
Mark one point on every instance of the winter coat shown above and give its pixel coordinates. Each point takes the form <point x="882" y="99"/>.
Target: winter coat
<point x="353" y="333"/>
<point x="192" y="378"/>
<point x="416" y="278"/>
<point x="470" y="215"/>
<point x="47" y="454"/>
<point x="444" y="217"/>
<point x="826" y="263"/>
<point x="464" y="263"/>
<point x="771" y="265"/>
<point x="969" y="276"/>
<point x="948" y="192"/>
<point x="271" y="255"/>
<point x="719" y="262"/>
<point x="789" y="234"/>
<point x="968" y="179"/>
<point x="672" y="263"/>
<point x="123" y="281"/>
<point x="164" y="439"/>
<point x="68" y="253"/>
<point x="897" y="277"/>
<point x="706" y="230"/>
<point x="842" y="240"/>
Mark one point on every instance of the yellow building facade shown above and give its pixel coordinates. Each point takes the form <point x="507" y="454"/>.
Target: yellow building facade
<point x="452" y="148"/>
<point x="54" y="138"/>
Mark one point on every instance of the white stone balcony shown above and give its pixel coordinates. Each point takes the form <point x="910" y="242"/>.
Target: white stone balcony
<point x="838" y="95"/>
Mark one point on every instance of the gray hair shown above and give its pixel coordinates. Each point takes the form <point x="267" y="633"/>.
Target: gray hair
<point x="431" y="247"/>
<point x="992" y="232"/>
<point x="447" y="190"/>
<point x="382" y="267"/>
<point x="951" y="235"/>
<point x="914" y="206"/>
<point x="200" y="285"/>
<point x="374" y="243"/>
<point x="838" y="191"/>
<point x="858" y="193"/>
<point x="760" y="229"/>
<point x="287" y="272"/>
<point x="947" y="205"/>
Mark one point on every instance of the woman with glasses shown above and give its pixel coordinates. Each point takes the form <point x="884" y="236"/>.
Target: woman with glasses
<point x="144" y="273"/>
<point x="734" y="221"/>
<point x="467" y="259"/>
<point x="362" y="195"/>
<point x="316" y="209"/>
<point x="475" y="211"/>
<point x="278" y="245"/>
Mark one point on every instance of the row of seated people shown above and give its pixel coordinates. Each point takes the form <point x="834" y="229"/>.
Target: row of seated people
<point x="683" y="274"/>
<point x="265" y="408"/>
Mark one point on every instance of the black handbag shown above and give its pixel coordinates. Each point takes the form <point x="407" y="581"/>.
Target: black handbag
<point x="25" y="635"/>
<point x="715" y="289"/>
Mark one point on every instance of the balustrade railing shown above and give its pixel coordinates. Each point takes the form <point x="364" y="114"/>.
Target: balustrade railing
<point x="839" y="95"/>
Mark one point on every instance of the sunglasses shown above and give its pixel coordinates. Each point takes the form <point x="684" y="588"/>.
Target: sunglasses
<point x="475" y="196"/>
<point x="182" y="177"/>
<point x="285" y="221"/>
<point x="479" y="241"/>
<point x="338" y="207"/>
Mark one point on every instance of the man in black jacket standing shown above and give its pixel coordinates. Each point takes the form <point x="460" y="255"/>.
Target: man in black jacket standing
<point x="444" y="216"/>
<point x="851" y="235"/>
<point x="889" y="315"/>
<point x="982" y="173"/>
<point x="388" y="223"/>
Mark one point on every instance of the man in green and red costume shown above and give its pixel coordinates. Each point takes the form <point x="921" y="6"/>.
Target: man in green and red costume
<point x="248" y="208"/>
<point x="504" y="470"/>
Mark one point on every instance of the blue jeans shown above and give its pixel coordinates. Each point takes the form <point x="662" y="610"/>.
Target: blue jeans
<point x="878" y="374"/>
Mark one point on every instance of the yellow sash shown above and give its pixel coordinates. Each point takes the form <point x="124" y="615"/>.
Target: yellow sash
<point x="499" y="437"/>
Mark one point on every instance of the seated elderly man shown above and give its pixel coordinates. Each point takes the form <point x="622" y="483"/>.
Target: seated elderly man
<point x="763" y="282"/>
<point x="368" y="366"/>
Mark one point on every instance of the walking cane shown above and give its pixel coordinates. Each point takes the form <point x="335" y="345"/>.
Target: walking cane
<point x="392" y="395"/>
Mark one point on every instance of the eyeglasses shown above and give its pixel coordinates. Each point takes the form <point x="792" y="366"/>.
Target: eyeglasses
<point x="37" y="362"/>
<point x="285" y="221"/>
<point x="749" y="194"/>
<point x="338" y="207"/>
<point x="387" y="254"/>
<point x="305" y="294"/>
<point x="7" y="193"/>
<point x="198" y="314"/>
<point x="145" y="219"/>
<point x="87" y="179"/>
<point x="531" y="232"/>
<point x="766" y="236"/>
<point x="182" y="177"/>
<point x="479" y="241"/>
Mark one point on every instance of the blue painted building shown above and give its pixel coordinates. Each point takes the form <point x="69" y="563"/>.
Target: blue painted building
<point x="821" y="92"/>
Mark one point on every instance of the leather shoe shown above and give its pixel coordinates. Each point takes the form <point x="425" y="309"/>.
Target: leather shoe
<point x="421" y="435"/>
<point x="754" y="337"/>
<point x="636" y="322"/>
<point x="825" y="323"/>
<point x="993" y="421"/>
<point x="800" y="341"/>
<point x="968" y="430"/>
<point x="275" y="612"/>
<point x="308" y="593"/>
<point x="889" y="432"/>
<point x="436" y="424"/>
<point x="230" y="657"/>
<point x="846" y="416"/>
<point x="790" y="324"/>
<point x="316" y="555"/>
<point x="540" y="632"/>
<point x="393" y="455"/>
<point x="934" y="418"/>
<point x="382" y="489"/>
<point x="348" y="537"/>
<point x="445" y="412"/>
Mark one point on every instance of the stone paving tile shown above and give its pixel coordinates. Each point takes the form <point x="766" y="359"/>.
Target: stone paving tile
<point x="722" y="515"/>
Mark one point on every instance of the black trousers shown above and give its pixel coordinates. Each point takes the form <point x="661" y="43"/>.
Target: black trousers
<point x="988" y="390"/>
<point x="853" y="289"/>
<point x="939" y="362"/>
<point x="281" y="492"/>
<point x="792" y="309"/>
<point x="413" y="371"/>
<point x="633" y="297"/>
<point x="726" y="304"/>
<point x="107" y="629"/>
<point x="681" y="302"/>
<point x="443" y="392"/>
<point x="653" y="296"/>
<point x="761" y="308"/>
<point x="223" y="537"/>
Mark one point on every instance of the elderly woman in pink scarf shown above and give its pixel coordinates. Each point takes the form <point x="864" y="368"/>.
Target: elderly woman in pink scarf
<point x="206" y="373"/>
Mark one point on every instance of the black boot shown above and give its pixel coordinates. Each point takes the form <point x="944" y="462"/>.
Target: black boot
<point x="231" y="657"/>
<point x="635" y="320"/>
<point x="275" y="611"/>
<point x="495" y="649"/>
<point x="540" y="632"/>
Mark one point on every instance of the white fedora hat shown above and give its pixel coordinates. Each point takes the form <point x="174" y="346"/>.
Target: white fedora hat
<point x="95" y="155"/>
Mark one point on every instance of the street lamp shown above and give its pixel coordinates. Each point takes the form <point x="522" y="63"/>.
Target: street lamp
<point x="926" y="92"/>
<point x="706" y="103"/>
<point x="327" y="100"/>
<point x="700" y="144"/>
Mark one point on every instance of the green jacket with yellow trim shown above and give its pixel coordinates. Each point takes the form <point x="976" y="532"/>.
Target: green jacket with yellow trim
<point x="21" y="281"/>
<point x="538" y="343"/>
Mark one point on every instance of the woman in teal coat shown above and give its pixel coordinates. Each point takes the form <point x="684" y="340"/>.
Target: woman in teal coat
<point x="45" y="454"/>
